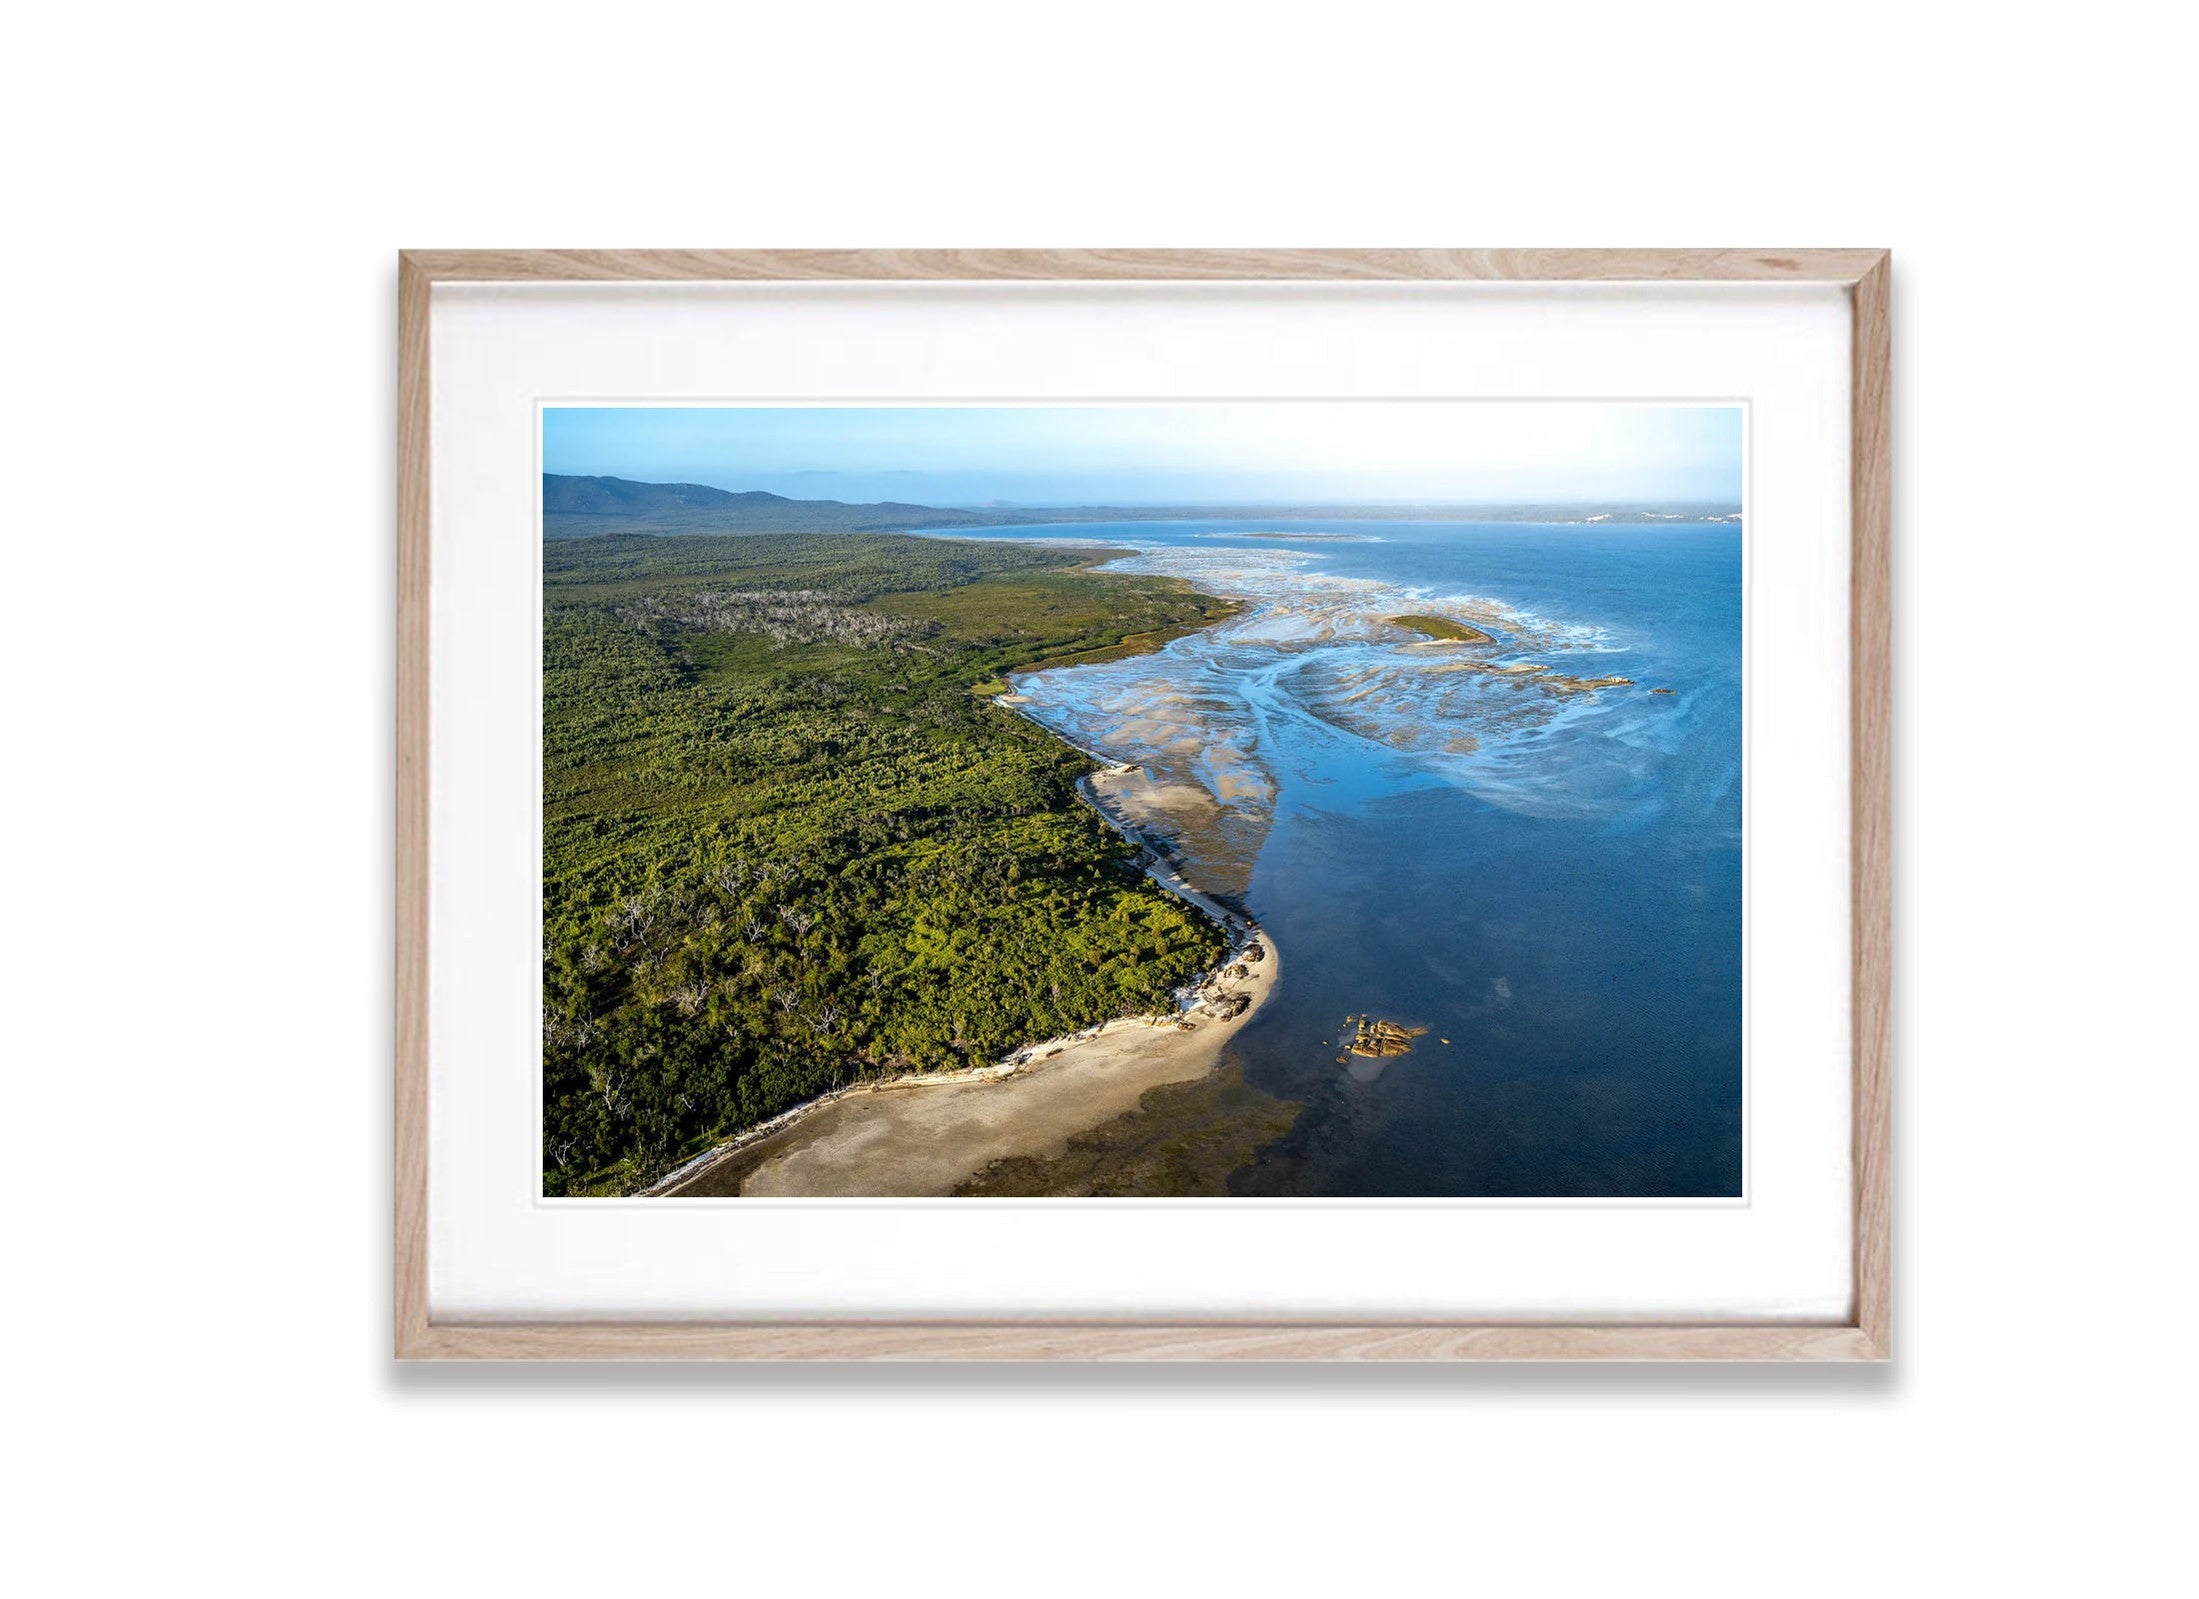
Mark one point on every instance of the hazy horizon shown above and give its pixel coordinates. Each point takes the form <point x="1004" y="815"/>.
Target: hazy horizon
<point x="1048" y="457"/>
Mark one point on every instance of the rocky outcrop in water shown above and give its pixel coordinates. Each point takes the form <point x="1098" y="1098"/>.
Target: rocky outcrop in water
<point x="1374" y="1037"/>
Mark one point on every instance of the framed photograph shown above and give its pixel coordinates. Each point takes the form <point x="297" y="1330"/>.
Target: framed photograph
<point x="1272" y="804"/>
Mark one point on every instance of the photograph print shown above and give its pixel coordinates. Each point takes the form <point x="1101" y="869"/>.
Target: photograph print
<point x="1215" y="802"/>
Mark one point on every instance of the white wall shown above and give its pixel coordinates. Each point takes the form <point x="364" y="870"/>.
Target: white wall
<point x="198" y="636"/>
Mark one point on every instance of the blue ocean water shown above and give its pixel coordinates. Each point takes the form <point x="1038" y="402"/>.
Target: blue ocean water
<point x="1486" y="840"/>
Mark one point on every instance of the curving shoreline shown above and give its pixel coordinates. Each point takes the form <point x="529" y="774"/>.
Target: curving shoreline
<point x="924" y="1134"/>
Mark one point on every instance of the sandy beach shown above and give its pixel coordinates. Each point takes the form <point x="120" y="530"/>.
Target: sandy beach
<point x="923" y="1136"/>
<point x="927" y="1134"/>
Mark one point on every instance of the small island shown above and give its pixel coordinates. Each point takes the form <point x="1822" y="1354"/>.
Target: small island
<point x="1442" y="627"/>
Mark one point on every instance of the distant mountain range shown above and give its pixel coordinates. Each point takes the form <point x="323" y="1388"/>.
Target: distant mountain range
<point x="582" y="507"/>
<point x="579" y="507"/>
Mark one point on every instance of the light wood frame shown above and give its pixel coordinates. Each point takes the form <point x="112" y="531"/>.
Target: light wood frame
<point x="1864" y="1335"/>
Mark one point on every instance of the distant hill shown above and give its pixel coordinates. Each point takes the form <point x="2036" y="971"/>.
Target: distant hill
<point x="618" y="496"/>
<point x="580" y="507"/>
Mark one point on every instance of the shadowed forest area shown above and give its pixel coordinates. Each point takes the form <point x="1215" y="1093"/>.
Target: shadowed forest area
<point x="787" y="843"/>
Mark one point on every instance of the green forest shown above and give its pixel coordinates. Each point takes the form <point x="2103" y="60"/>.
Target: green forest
<point x="788" y="843"/>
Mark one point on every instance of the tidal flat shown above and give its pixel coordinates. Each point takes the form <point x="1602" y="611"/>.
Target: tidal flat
<point x="1519" y="827"/>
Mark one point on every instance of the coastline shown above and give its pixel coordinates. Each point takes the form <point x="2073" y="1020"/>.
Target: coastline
<point x="924" y="1134"/>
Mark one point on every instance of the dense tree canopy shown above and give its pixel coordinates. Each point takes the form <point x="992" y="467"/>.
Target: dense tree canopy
<point x="788" y="843"/>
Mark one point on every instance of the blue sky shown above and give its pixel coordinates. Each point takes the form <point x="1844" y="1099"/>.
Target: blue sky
<point x="1367" y="452"/>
